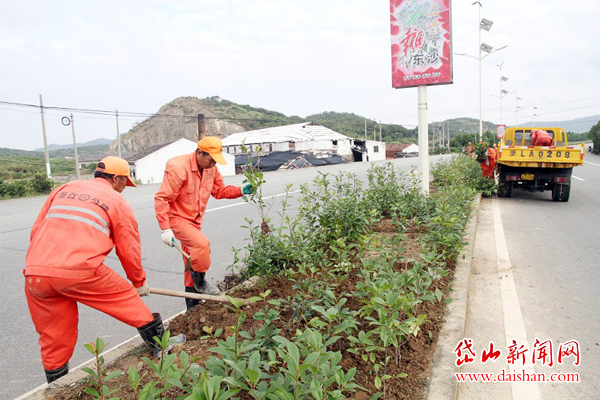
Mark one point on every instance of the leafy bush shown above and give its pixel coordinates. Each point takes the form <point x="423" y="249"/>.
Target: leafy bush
<point x="41" y="184"/>
<point x="13" y="189"/>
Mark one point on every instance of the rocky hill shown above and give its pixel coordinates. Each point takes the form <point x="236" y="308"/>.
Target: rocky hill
<point x="175" y="120"/>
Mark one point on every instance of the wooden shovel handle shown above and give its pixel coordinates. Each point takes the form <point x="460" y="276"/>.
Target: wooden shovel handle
<point x="183" y="253"/>
<point x="195" y="296"/>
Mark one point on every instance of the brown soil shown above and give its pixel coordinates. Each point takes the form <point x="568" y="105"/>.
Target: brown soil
<point x="416" y="353"/>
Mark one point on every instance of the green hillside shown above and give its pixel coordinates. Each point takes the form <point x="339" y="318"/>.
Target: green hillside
<point x="348" y="124"/>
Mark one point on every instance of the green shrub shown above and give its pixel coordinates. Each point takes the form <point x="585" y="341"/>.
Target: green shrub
<point x="41" y="184"/>
<point x="13" y="189"/>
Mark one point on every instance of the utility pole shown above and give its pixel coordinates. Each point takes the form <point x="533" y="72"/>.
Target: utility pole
<point x="365" y="129"/>
<point x="374" y="133"/>
<point x="380" y="131"/>
<point x="448" y="136"/>
<point x="75" y="147"/>
<point x="118" y="134"/>
<point x="201" y="127"/>
<point x="48" y="174"/>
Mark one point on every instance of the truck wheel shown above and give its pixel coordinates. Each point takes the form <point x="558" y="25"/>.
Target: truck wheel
<point x="509" y="187"/>
<point x="561" y="193"/>
<point x="504" y="189"/>
<point x="565" y="192"/>
<point x="501" y="190"/>
<point x="556" y="192"/>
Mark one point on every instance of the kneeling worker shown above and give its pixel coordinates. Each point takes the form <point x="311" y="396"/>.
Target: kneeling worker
<point x="540" y="137"/>
<point x="180" y="204"/>
<point x="78" y="226"/>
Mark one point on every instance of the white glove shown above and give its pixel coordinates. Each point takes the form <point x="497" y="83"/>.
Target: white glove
<point x="143" y="290"/>
<point x="168" y="237"/>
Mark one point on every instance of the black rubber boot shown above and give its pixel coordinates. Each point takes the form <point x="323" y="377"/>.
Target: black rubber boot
<point x="202" y="285"/>
<point x="151" y="329"/>
<point x="54" y="374"/>
<point x="156" y="328"/>
<point x="191" y="303"/>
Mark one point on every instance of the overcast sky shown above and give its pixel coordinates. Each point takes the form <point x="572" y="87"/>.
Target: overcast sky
<point x="295" y="57"/>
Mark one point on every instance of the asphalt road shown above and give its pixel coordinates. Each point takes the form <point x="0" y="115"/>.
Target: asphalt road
<point x="20" y="364"/>
<point x="553" y="249"/>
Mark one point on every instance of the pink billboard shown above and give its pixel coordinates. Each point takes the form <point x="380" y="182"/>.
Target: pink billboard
<point x="421" y="42"/>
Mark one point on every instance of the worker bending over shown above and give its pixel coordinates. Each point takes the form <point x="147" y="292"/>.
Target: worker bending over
<point x="540" y="138"/>
<point x="180" y="204"/>
<point x="78" y="226"/>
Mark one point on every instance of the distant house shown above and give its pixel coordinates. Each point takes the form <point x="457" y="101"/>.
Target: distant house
<point x="306" y="137"/>
<point x="149" y="165"/>
<point x="392" y="149"/>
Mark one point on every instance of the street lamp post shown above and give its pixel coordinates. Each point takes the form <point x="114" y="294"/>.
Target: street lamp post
<point x="502" y="91"/>
<point x="533" y="114"/>
<point x="484" y="24"/>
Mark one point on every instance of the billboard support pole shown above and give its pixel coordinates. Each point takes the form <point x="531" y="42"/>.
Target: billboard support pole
<point x="423" y="139"/>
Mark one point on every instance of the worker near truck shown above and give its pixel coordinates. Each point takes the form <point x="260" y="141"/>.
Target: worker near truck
<point x="79" y="225"/>
<point x="180" y="204"/>
<point x="540" y="137"/>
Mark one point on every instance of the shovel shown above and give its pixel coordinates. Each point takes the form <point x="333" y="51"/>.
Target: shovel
<point x="188" y="263"/>
<point x="195" y="296"/>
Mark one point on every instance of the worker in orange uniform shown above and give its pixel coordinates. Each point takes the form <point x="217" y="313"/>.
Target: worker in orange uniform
<point x="488" y="166"/>
<point x="469" y="149"/>
<point x="540" y="138"/>
<point x="180" y="204"/>
<point x="78" y="226"/>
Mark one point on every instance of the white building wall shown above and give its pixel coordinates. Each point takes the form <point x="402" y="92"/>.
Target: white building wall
<point x="375" y="150"/>
<point x="151" y="169"/>
<point x="343" y="147"/>
<point x="413" y="148"/>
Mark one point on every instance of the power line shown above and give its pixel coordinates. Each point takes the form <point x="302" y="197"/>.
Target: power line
<point x="130" y="114"/>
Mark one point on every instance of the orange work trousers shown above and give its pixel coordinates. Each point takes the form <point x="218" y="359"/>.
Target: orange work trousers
<point x="194" y="243"/>
<point x="53" y="302"/>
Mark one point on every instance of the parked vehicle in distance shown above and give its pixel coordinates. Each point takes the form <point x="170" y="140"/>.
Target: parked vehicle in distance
<point x="405" y="155"/>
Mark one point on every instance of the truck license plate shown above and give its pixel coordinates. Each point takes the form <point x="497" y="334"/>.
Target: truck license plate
<point x="527" y="177"/>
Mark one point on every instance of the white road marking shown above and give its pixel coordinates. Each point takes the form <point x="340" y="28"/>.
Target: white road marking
<point x="212" y="209"/>
<point x="591" y="163"/>
<point x="18" y="215"/>
<point x="514" y="327"/>
<point x="578" y="178"/>
<point x="241" y="204"/>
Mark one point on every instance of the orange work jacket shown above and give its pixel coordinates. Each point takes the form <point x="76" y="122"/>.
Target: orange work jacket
<point x="184" y="192"/>
<point x="540" y="138"/>
<point x="78" y="226"/>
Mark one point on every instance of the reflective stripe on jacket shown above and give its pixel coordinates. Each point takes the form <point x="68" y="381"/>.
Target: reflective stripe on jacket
<point x="184" y="192"/>
<point x="78" y="226"/>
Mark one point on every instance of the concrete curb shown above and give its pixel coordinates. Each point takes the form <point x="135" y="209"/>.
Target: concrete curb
<point x="443" y="384"/>
<point x="76" y="374"/>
